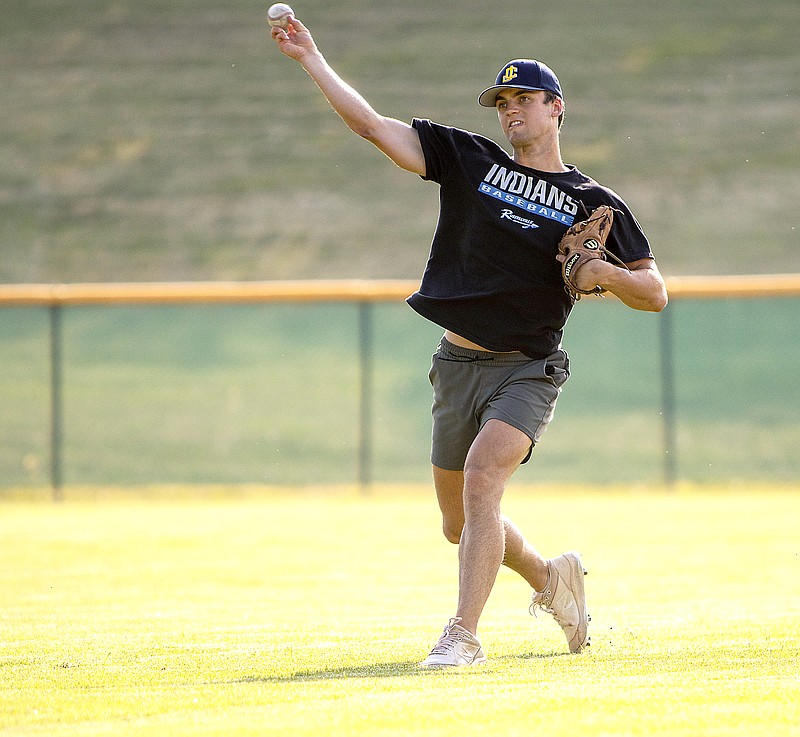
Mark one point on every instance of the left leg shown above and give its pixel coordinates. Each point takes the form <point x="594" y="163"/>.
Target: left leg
<point x="522" y="558"/>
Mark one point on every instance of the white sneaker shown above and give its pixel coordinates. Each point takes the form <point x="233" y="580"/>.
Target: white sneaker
<point x="456" y="646"/>
<point x="565" y="599"/>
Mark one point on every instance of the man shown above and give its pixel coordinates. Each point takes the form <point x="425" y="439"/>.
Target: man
<point x="494" y="284"/>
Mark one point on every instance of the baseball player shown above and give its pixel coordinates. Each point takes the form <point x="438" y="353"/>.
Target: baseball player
<point x="501" y="284"/>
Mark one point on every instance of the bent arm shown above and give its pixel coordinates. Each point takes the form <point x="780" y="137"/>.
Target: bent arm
<point x="641" y="288"/>
<point x="398" y="140"/>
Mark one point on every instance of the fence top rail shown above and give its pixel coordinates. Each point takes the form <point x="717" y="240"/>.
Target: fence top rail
<point x="365" y="290"/>
<point x="194" y="292"/>
<point x="752" y="285"/>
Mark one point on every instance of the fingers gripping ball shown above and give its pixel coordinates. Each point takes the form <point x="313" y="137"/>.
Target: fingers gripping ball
<point x="279" y="14"/>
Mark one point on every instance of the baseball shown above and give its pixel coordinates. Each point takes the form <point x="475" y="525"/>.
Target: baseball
<point x="278" y="15"/>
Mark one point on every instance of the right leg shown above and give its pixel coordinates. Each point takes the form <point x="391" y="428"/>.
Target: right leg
<point x="520" y="556"/>
<point x="561" y="594"/>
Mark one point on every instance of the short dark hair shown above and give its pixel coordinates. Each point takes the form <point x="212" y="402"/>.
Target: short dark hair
<point x="548" y="98"/>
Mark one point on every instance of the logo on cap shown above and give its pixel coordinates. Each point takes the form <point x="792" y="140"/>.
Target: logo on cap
<point x="524" y="74"/>
<point x="510" y="73"/>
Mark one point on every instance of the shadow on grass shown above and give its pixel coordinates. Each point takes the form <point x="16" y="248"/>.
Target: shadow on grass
<point x="370" y="670"/>
<point x="389" y="670"/>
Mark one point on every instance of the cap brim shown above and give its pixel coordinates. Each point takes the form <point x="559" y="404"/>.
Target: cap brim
<point x="488" y="98"/>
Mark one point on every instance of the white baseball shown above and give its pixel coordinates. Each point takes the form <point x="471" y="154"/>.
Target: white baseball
<point x="278" y="15"/>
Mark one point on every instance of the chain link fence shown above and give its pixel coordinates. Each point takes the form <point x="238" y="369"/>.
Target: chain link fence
<point x="295" y="390"/>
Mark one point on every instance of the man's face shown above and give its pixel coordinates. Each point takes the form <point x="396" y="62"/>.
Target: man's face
<point x="525" y="116"/>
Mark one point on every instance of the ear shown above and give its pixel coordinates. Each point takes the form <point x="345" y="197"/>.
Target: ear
<point x="558" y="107"/>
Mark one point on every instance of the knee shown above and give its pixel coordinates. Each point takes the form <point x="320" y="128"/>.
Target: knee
<point x="483" y="490"/>
<point x="480" y="480"/>
<point x="452" y="531"/>
<point x="479" y="476"/>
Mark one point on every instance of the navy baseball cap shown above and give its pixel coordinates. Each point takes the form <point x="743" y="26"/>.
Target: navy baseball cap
<point x="522" y="74"/>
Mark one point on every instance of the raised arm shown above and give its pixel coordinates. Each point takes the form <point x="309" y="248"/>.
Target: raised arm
<point x="398" y="140"/>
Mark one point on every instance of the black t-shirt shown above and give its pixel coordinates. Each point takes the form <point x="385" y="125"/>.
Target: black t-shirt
<point x="492" y="275"/>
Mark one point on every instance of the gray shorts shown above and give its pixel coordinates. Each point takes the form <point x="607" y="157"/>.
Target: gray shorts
<point x="471" y="387"/>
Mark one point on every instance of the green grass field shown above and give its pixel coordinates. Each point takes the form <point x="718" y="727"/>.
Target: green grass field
<point x="253" y="612"/>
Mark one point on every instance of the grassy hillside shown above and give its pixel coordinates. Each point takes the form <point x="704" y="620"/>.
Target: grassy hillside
<point x="168" y="139"/>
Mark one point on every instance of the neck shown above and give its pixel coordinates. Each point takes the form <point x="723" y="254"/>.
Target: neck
<point x="544" y="158"/>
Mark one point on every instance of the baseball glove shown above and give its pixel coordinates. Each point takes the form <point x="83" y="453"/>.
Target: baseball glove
<point x="583" y="242"/>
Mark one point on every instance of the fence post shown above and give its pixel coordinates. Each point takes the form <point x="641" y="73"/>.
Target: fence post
<point x="365" y="395"/>
<point x="668" y="397"/>
<point x="56" y="480"/>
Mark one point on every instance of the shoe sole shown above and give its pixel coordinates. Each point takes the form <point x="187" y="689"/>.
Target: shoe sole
<point x="434" y="666"/>
<point x="576" y="574"/>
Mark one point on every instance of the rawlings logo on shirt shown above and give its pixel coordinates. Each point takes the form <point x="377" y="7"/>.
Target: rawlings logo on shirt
<point x="524" y="222"/>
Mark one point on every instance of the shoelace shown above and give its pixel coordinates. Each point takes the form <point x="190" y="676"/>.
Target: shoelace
<point x="545" y="595"/>
<point x="448" y="639"/>
<point x="538" y="604"/>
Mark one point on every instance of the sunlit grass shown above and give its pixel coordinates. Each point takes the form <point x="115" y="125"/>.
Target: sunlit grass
<point x="249" y="611"/>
